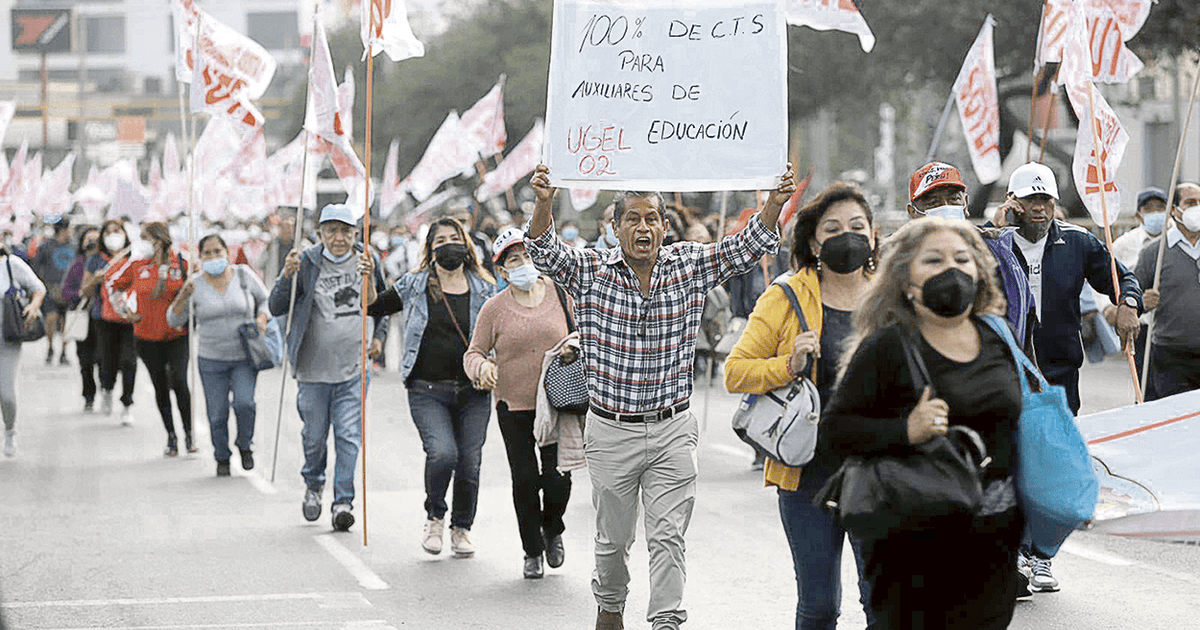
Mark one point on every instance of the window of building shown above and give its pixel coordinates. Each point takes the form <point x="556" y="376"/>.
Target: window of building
<point x="275" y="30"/>
<point x="106" y="34"/>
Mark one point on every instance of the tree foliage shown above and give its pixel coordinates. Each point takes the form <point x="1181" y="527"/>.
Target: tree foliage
<point x="1172" y="29"/>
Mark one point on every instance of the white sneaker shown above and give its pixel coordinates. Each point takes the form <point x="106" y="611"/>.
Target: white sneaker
<point x="431" y="539"/>
<point x="1042" y="581"/>
<point x="106" y="402"/>
<point x="126" y="417"/>
<point x="460" y="543"/>
<point x="10" y="443"/>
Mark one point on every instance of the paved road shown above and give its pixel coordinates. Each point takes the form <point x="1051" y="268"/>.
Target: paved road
<point x="98" y="530"/>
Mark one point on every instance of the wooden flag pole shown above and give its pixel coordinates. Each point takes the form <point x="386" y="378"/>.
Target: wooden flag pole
<point x="1162" y="240"/>
<point x="297" y="238"/>
<point x="1046" y="127"/>
<point x="193" y="341"/>
<point x="1108" y="240"/>
<point x="366" y="279"/>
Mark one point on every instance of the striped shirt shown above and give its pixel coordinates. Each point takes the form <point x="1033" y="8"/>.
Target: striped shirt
<point x="639" y="350"/>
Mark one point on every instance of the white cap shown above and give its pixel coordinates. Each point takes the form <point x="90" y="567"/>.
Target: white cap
<point x="1031" y="179"/>
<point x="508" y="238"/>
<point x="338" y="212"/>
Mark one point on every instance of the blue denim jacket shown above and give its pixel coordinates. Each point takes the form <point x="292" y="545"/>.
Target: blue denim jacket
<point x="306" y="280"/>
<point x="411" y="288"/>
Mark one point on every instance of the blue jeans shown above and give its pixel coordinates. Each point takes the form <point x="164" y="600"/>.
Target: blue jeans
<point x="452" y="419"/>
<point x="220" y="379"/>
<point x="816" y="542"/>
<point x="337" y="405"/>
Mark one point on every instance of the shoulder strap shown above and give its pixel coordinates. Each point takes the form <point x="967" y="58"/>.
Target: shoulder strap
<point x="251" y="301"/>
<point x="562" y="301"/>
<point x="791" y="296"/>
<point x="916" y="364"/>
<point x="1024" y="365"/>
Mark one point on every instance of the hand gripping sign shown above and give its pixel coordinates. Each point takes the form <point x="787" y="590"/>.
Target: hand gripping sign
<point x="667" y="95"/>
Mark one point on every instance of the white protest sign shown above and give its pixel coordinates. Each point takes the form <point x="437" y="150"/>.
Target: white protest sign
<point x="667" y="95"/>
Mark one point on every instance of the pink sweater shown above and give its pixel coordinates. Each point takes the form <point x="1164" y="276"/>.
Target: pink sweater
<point x="520" y="336"/>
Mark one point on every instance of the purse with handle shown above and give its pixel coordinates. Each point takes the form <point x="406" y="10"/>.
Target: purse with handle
<point x="566" y="379"/>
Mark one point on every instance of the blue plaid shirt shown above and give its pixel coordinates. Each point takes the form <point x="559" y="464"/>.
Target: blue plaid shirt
<point x="639" y="351"/>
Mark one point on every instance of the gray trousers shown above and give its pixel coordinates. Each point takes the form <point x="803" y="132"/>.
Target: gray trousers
<point x="659" y="460"/>
<point x="10" y="357"/>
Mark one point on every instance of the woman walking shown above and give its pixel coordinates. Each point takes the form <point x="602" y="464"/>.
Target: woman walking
<point x="16" y="274"/>
<point x="936" y="281"/>
<point x="116" y="348"/>
<point x="226" y="296"/>
<point x="85" y="349"/>
<point x="155" y="277"/>
<point x="442" y="300"/>
<point x="833" y="255"/>
<point x="520" y="324"/>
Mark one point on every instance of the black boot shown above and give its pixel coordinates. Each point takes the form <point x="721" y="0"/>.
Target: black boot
<point x="189" y="444"/>
<point x="172" y="449"/>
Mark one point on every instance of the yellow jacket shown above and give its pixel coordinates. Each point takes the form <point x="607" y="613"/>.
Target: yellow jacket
<point x="758" y="362"/>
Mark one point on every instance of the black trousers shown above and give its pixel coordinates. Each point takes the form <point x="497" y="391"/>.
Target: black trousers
<point x="540" y="495"/>
<point x="1068" y="379"/>
<point x="1173" y="370"/>
<point x="88" y="361"/>
<point x="116" y="350"/>
<point x="167" y="362"/>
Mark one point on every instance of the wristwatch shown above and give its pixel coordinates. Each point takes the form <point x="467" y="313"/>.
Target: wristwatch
<point x="1131" y="302"/>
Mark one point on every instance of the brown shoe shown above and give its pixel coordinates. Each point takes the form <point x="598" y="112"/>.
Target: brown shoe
<point x="609" y="620"/>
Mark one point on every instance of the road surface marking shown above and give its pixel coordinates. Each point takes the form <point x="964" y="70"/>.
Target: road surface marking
<point x="1102" y="557"/>
<point x="352" y="563"/>
<point x="260" y="484"/>
<point x="213" y="599"/>
<point x="375" y="624"/>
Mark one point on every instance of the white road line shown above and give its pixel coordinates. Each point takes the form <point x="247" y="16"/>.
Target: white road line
<point x="260" y="484"/>
<point x="352" y="563"/>
<point x="731" y="450"/>
<point x="1102" y="557"/>
<point x="153" y="601"/>
<point x="374" y="623"/>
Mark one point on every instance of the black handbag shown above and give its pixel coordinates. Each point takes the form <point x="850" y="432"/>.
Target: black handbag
<point x="939" y="480"/>
<point x="566" y="380"/>
<point x="15" y="301"/>
<point x="254" y="340"/>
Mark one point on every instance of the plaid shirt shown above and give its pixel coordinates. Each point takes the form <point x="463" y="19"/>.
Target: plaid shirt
<point x="640" y="351"/>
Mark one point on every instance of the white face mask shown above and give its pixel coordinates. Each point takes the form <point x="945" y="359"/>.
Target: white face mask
<point x="1191" y="219"/>
<point x="141" y="250"/>
<point x="1154" y="222"/>
<point x="114" y="241"/>
<point x="947" y="212"/>
<point x="523" y="277"/>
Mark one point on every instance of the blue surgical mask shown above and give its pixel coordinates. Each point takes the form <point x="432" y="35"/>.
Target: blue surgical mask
<point x="215" y="266"/>
<point x="570" y="233"/>
<point x="610" y="236"/>
<point x="947" y="212"/>
<point x="397" y="242"/>
<point x="1154" y="222"/>
<point x="337" y="259"/>
<point x="523" y="277"/>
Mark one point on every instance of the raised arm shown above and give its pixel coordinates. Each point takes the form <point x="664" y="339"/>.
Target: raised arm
<point x="543" y="210"/>
<point x="778" y="197"/>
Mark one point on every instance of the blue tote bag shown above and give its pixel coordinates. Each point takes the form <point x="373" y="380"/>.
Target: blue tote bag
<point x="1056" y="486"/>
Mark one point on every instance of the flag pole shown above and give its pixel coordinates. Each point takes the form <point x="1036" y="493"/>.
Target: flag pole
<point x="193" y="342"/>
<point x="1046" y="126"/>
<point x="937" y="134"/>
<point x="1127" y="348"/>
<point x="366" y="279"/>
<point x="1162" y="239"/>
<point x="297" y="238"/>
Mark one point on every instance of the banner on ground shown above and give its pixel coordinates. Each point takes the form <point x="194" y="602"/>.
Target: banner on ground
<point x="831" y="15"/>
<point x="660" y="95"/>
<point x="385" y="28"/>
<point x="517" y="164"/>
<point x="979" y="104"/>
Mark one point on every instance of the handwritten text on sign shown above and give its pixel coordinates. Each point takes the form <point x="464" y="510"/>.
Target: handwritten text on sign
<point x="667" y="95"/>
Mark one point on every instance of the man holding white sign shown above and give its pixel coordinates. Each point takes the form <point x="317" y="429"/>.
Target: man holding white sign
<point x="638" y="308"/>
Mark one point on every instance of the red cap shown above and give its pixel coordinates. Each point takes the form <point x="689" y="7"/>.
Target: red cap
<point x="934" y="175"/>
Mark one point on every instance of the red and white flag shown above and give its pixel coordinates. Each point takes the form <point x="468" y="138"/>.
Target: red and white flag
<point x="1107" y="25"/>
<point x="517" y="164"/>
<point x="1093" y="176"/>
<point x="385" y="28"/>
<point x="389" y="192"/>
<point x="216" y="92"/>
<point x="446" y="156"/>
<point x="16" y="170"/>
<point x="483" y="125"/>
<point x="7" y="110"/>
<point x="1057" y="17"/>
<point x="831" y="15"/>
<point x="979" y="104"/>
<point x="325" y="117"/>
<point x="245" y="64"/>
<point x="170" y="161"/>
<point x="287" y="179"/>
<point x="584" y="198"/>
<point x="1112" y="60"/>
<point x="1131" y="14"/>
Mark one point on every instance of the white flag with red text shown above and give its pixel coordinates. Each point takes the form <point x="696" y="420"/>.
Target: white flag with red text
<point x="385" y="28"/>
<point x="325" y="116"/>
<point x="242" y="64"/>
<point x="1093" y="176"/>
<point x="389" y="191"/>
<point x="517" y="164"/>
<point x="1108" y="25"/>
<point x="831" y="15"/>
<point x="483" y="125"/>
<point x="446" y="156"/>
<point x="979" y="104"/>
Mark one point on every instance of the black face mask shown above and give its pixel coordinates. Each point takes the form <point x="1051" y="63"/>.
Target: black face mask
<point x="845" y="253"/>
<point x="451" y="255"/>
<point x="950" y="293"/>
